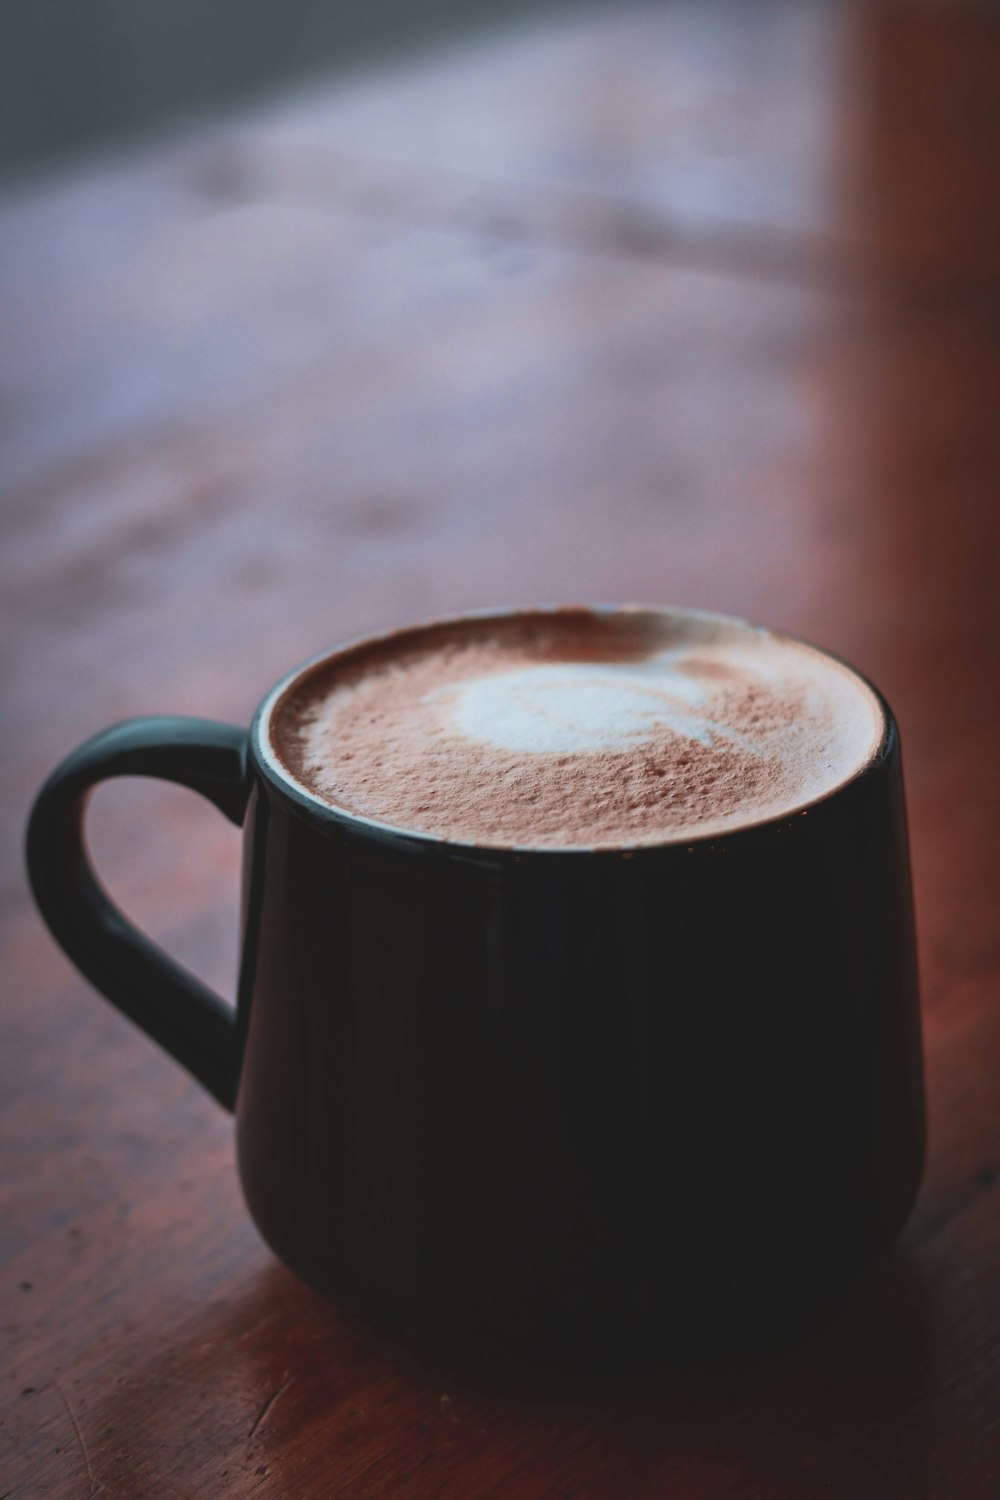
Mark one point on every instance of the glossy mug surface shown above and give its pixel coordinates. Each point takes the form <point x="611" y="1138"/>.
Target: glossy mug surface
<point x="655" y="1097"/>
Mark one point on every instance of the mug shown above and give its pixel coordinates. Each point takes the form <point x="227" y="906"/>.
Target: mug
<point x="539" y="1108"/>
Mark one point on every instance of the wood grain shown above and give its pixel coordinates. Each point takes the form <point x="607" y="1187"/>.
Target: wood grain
<point x="324" y="370"/>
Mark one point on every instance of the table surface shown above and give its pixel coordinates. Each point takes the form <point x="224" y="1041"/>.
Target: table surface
<point x="696" y="304"/>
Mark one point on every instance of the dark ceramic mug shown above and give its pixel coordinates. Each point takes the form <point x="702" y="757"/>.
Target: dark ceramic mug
<point x="542" y="1107"/>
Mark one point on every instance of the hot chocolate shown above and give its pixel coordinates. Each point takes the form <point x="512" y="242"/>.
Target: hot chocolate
<point x="572" y="727"/>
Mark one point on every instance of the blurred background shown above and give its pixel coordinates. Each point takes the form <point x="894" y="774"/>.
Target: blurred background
<point x="318" y="319"/>
<point x="321" y="318"/>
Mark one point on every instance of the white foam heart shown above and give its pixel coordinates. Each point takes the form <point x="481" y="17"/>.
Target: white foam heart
<point x="574" y="707"/>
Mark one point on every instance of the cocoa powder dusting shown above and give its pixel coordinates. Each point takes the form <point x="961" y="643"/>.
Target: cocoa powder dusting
<point x="376" y="734"/>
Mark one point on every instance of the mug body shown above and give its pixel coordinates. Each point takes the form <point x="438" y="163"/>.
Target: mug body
<point x="546" y="1105"/>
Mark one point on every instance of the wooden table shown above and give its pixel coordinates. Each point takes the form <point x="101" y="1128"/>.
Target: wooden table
<point x="694" y="304"/>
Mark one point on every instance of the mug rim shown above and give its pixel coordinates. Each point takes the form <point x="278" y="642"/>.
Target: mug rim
<point x="277" y="774"/>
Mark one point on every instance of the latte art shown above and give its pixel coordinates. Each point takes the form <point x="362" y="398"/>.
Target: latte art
<point x="576" y="706"/>
<point x="572" y="728"/>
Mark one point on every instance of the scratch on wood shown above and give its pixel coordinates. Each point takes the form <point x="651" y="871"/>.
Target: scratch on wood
<point x="79" y="1437"/>
<point x="269" y="1405"/>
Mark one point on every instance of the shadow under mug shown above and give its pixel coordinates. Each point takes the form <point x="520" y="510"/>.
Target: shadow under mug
<point x="540" y="1108"/>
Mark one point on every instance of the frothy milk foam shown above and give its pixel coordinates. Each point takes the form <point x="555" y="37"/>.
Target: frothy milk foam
<point x="573" y="727"/>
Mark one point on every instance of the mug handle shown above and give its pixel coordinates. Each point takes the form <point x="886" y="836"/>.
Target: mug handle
<point x="175" y="1008"/>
